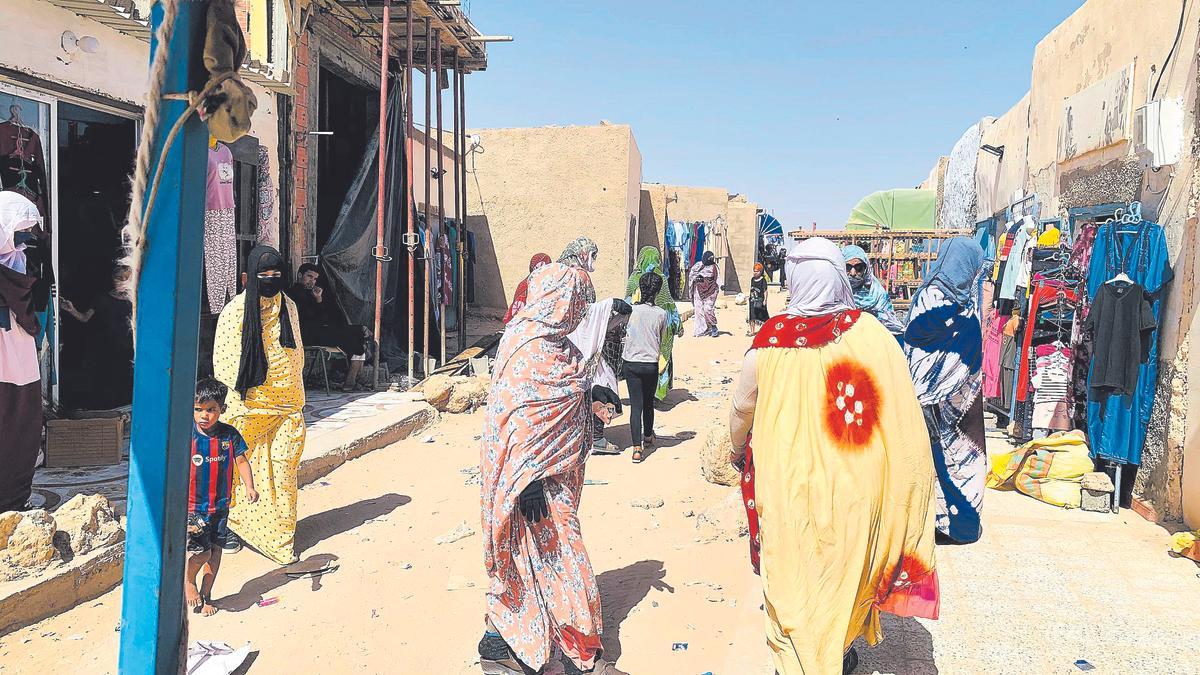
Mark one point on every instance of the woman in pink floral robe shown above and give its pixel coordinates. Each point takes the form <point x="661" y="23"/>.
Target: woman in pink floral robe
<point x="542" y="592"/>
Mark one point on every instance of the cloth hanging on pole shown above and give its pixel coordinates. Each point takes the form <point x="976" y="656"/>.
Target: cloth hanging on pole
<point x="347" y="255"/>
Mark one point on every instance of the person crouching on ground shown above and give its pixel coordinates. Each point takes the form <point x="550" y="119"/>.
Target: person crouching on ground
<point x="648" y="327"/>
<point x="216" y="449"/>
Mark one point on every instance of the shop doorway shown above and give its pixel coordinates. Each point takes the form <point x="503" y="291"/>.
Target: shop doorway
<point x="95" y="159"/>
<point x="350" y="113"/>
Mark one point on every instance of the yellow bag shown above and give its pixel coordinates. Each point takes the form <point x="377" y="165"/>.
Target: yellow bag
<point x="1047" y="469"/>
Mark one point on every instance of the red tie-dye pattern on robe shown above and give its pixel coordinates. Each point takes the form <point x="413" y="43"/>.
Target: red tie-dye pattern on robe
<point x="542" y="591"/>
<point x="910" y="587"/>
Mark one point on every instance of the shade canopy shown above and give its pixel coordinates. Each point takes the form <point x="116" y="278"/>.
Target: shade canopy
<point x="768" y="224"/>
<point x="895" y="210"/>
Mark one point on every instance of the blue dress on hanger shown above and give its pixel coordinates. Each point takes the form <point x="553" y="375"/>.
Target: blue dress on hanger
<point x="1120" y="432"/>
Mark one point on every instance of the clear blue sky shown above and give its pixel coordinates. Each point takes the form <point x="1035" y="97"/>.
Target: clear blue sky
<point x="803" y="106"/>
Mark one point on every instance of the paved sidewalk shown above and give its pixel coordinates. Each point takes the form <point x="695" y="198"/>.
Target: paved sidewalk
<point x="340" y="427"/>
<point x="1047" y="586"/>
<point x="333" y="420"/>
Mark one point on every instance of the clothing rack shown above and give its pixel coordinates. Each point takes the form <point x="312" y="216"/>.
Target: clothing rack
<point x="899" y="258"/>
<point x="1053" y="295"/>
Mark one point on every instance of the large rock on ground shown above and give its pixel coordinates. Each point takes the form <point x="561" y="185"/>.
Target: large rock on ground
<point x="714" y="458"/>
<point x="724" y="520"/>
<point x="86" y="523"/>
<point x="29" y="547"/>
<point x="438" y="389"/>
<point x="469" y="393"/>
<point x="8" y="522"/>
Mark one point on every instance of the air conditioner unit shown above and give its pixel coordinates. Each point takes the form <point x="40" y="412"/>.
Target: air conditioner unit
<point x="1158" y="132"/>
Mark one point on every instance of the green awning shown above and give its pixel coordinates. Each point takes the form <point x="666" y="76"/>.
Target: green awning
<point x="895" y="210"/>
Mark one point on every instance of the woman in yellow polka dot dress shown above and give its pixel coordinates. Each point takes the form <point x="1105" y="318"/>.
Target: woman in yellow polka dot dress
<point x="259" y="356"/>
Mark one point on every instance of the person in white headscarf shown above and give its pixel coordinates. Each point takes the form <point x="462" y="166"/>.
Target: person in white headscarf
<point x="20" y="377"/>
<point x="602" y="316"/>
<point x="838" y="486"/>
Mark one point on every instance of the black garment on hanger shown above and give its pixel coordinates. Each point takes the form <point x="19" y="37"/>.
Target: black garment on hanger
<point x="1121" y="322"/>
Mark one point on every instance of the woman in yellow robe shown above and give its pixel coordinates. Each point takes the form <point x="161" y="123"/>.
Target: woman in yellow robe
<point x="259" y="356"/>
<point x="839" y="481"/>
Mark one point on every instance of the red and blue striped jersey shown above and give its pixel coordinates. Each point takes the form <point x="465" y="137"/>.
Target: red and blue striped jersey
<point x="212" y="467"/>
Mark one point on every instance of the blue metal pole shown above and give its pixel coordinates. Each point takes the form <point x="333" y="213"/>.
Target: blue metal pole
<point x="164" y="373"/>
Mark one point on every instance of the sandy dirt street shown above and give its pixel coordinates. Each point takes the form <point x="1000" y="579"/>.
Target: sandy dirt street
<point x="1044" y="587"/>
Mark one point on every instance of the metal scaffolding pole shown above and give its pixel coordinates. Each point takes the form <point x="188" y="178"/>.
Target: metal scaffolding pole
<point x="381" y="252"/>
<point x="441" y="171"/>
<point x="168" y="311"/>
<point x="463" y="252"/>
<point x="458" y="210"/>
<point x="428" y="268"/>
<point x="410" y="211"/>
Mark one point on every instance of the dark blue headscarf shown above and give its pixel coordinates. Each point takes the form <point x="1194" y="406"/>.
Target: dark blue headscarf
<point x="955" y="270"/>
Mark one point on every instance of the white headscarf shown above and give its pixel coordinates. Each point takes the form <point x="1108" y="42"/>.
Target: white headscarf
<point x="589" y="338"/>
<point x="16" y="213"/>
<point x="816" y="278"/>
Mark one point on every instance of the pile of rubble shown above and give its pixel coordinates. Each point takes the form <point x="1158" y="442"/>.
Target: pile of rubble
<point x="33" y="541"/>
<point x="455" y="394"/>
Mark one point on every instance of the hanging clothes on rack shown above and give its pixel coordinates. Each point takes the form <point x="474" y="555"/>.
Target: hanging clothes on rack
<point x="991" y="354"/>
<point x="1016" y="272"/>
<point x="1051" y="312"/>
<point x="1078" y="265"/>
<point x="1052" y="388"/>
<point x="23" y="162"/>
<point x="1117" y="423"/>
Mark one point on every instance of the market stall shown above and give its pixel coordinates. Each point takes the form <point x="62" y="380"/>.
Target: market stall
<point x="1072" y="327"/>
<point x="899" y="258"/>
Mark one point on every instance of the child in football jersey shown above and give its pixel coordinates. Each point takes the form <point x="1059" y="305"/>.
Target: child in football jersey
<point x="215" y="449"/>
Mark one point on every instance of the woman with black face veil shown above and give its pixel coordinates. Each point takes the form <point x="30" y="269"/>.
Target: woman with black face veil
<point x="259" y="356"/>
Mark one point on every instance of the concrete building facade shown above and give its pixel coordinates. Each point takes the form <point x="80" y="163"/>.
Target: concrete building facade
<point x="1078" y="139"/>
<point x="533" y="190"/>
<point x="85" y="107"/>
<point x="735" y="221"/>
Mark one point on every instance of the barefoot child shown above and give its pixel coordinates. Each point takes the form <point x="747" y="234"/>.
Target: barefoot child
<point x="216" y="448"/>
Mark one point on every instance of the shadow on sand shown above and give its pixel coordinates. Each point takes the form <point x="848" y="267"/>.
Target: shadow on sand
<point x="907" y="648"/>
<point x="309" y="532"/>
<point x="258" y="588"/>
<point x="674" y="398"/>
<point x="321" y="526"/>
<point x="620" y="591"/>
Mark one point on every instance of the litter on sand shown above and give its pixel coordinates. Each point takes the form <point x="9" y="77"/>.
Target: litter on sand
<point x="215" y="658"/>
<point x="267" y="602"/>
<point x="679" y="646"/>
<point x="301" y="573"/>
<point x="1084" y="665"/>
<point x="589" y="481"/>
